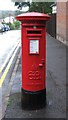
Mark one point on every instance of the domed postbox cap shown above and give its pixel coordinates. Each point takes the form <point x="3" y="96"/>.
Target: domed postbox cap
<point x="33" y="16"/>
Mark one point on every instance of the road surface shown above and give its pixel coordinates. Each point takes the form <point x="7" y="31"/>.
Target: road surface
<point x="10" y="43"/>
<point x="7" y="41"/>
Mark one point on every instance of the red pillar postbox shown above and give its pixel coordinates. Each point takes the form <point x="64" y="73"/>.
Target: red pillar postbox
<point x="33" y="41"/>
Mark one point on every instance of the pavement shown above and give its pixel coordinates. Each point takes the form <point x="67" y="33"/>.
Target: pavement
<point x="55" y="86"/>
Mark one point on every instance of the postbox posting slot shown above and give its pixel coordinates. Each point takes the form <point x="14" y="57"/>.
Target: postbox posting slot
<point x="33" y="32"/>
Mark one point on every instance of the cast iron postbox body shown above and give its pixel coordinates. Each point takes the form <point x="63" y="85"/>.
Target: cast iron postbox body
<point x="33" y="41"/>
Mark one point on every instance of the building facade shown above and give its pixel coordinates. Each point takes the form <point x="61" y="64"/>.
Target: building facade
<point x="62" y="22"/>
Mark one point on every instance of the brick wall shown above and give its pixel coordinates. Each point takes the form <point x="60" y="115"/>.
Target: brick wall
<point x="61" y="21"/>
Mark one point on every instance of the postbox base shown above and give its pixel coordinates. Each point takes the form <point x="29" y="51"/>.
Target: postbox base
<point x="33" y="100"/>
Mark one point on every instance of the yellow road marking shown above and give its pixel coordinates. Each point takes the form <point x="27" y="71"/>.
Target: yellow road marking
<point x="7" y="68"/>
<point x="7" y="58"/>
